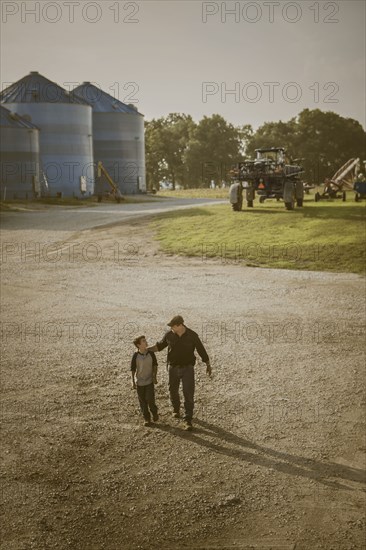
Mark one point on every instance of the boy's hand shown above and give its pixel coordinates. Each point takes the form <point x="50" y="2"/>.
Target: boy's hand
<point x="133" y="387"/>
<point x="155" y="380"/>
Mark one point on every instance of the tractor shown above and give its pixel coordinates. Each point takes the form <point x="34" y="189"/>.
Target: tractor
<point x="270" y="176"/>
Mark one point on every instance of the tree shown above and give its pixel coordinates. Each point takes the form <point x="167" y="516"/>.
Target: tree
<point x="325" y="141"/>
<point x="214" y="146"/>
<point x="167" y="139"/>
<point x="274" y="134"/>
<point x="153" y="153"/>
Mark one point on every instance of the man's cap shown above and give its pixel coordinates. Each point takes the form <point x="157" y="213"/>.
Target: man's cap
<point x="177" y="320"/>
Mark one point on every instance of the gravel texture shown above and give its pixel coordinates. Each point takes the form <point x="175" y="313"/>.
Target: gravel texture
<point x="277" y="456"/>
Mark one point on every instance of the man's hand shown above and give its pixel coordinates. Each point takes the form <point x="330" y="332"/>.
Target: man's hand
<point x="208" y="369"/>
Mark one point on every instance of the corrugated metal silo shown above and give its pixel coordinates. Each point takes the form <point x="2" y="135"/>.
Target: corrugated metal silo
<point x="19" y="156"/>
<point x="118" y="138"/>
<point x="65" y="121"/>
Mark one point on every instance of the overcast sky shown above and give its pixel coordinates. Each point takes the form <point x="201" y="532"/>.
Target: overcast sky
<point x="185" y="56"/>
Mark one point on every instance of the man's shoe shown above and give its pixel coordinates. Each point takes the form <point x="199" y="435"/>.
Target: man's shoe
<point x="155" y="417"/>
<point x="176" y="415"/>
<point x="147" y="423"/>
<point x="188" y="425"/>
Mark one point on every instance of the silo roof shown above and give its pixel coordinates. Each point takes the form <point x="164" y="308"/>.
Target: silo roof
<point x="103" y="102"/>
<point x="13" y="120"/>
<point x="35" y="88"/>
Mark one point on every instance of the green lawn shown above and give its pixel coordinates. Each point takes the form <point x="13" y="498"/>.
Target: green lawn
<point x="324" y="236"/>
<point x="201" y="193"/>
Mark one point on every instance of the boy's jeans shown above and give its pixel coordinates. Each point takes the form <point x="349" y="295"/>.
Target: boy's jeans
<point x="186" y="374"/>
<point x="146" y="395"/>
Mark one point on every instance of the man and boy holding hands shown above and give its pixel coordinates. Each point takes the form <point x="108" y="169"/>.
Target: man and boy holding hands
<point x="181" y="342"/>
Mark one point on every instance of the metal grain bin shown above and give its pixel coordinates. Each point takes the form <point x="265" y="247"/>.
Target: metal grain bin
<point x="65" y="121"/>
<point x="118" y="138"/>
<point x="19" y="157"/>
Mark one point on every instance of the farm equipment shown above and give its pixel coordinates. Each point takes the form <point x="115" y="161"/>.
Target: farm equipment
<point x="360" y="188"/>
<point x="271" y="177"/>
<point x="308" y="187"/>
<point x="116" y="193"/>
<point x="342" y="181"/>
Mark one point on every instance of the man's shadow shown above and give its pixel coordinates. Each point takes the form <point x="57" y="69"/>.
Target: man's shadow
<point x="266" y="457"/>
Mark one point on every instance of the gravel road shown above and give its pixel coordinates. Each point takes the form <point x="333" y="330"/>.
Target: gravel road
<point x="277" y="457"/>
<point x="76" y="219"/>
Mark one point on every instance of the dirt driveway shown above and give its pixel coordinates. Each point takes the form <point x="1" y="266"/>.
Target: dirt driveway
<point x="277" y="456"/>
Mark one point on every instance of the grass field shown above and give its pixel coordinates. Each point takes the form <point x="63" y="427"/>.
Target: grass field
<point x="202" y="193"/>
<point x="323" y="236"/>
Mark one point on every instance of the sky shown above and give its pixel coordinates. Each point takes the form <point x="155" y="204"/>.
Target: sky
<point x="249" y="61"/>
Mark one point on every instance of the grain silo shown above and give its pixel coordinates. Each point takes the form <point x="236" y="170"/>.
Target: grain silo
<point x="19" y="157"/>
<point x="65" y="121"/>
<point x="118" y="138"/>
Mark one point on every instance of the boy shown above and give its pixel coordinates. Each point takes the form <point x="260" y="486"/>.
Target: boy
<point x="144" y="371"/>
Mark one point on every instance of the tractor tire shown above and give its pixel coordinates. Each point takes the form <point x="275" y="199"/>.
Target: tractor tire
<point x="299" y="202"/>
<point x="235" y="207"/>
<point x="289" y="195"/>
<point x="344" y="196"/>
<point x="299" y="191"/>
<point x="262" y="199"/>
<point x="250" y="193"/>
<point x="250" y="204"/>
<point x="317" y="197"/>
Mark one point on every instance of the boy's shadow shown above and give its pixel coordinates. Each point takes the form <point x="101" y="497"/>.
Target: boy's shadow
<point x="266" y="457"/>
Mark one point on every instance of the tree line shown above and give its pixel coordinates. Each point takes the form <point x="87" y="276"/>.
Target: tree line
<point x="192" y="154"/>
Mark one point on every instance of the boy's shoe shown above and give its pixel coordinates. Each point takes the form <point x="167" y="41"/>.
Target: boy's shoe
<point x="155" y="417"/>
<point x="188" y="425"/>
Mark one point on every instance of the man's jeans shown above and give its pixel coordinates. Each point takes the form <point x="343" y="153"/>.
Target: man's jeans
<point x="186" y="374"/>
<point x="146" y="395"/>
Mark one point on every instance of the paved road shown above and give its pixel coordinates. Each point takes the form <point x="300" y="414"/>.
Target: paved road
<point x="77" y="219"/>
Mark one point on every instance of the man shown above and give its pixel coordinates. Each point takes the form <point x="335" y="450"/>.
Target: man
<point x="182" y="343"/>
